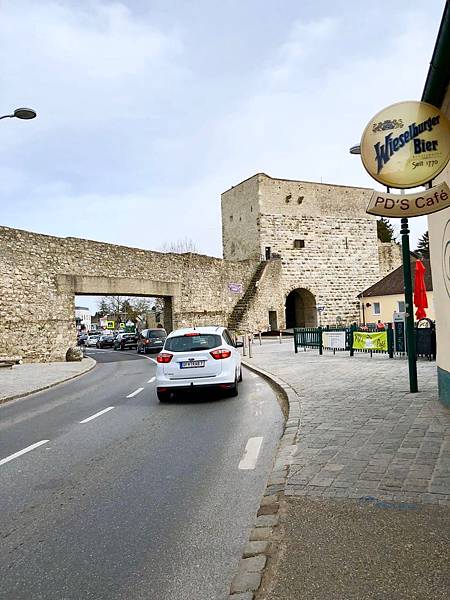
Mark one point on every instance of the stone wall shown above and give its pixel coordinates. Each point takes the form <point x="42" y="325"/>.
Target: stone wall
<point x="320" y="236"/>
<point x="40" y="274"/>
<point x="333" y="265"/>
<point x="337" y="253"/>
<point x="240" y="225"/>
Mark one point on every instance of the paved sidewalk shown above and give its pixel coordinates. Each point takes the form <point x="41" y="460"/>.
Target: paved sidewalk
<point x="362" y="433"/>
<point x="366" y="510"/>
<point x="25" y="379"/>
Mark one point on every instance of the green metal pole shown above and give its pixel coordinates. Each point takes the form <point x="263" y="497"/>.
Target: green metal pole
<point x="409" y="308"/>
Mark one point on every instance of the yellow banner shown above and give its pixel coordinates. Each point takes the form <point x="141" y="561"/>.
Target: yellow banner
<point x="370" y="341"/>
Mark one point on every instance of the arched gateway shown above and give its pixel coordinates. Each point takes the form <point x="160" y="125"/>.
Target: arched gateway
<point x="301" y="309"/>
<point x="40" y="276"/>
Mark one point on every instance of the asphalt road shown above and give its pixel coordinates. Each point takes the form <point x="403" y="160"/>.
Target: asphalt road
<point x="144" y="501"/>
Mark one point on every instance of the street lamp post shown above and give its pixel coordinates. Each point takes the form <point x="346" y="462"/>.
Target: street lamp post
<point x="21" y="113"/>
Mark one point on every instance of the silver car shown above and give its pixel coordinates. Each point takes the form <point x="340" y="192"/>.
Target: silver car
<point x="92" y="341"/>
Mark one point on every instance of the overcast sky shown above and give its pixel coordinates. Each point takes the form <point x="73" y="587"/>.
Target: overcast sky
<point x="149" y="109"/>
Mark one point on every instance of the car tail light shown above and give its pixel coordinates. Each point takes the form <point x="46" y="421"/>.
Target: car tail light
<point x="220" y="353"/>
<point x="145" y="341"/>
<point x="164" y="357"/>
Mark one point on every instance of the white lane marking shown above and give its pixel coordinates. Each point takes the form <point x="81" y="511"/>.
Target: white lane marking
<point x="135" y="393"/>
<point x="103" y="351"/>
<point x="251" y="453"/>
<point x="102" y="412"/>
<point x="151" y="380"/>
<point x="24" y="451"/>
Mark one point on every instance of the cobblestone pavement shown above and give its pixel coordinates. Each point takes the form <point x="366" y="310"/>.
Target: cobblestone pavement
<point x="25" y="379"/>
<point x="362" y="433"/>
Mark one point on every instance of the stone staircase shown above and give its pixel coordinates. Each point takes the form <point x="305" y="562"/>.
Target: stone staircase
<point x="242" y="305"/>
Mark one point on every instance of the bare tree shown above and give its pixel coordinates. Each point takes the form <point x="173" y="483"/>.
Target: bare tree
<point x="112" y="306"/>
<point x="124" y="308"/>
<point x="180" y="246"/>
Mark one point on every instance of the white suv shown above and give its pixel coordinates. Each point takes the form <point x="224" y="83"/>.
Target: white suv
<point x="198" y="357"/>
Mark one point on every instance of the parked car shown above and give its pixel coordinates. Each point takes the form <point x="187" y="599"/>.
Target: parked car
<point x="151" y="340"/>
<point x="82" y="339"/>
<point x="92" y="340"/>
<point x="198" y="358"/>
<point x="105" y="341"/>
<point x="125" y="340"/>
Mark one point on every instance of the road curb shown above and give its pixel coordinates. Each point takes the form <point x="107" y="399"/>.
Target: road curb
<point x="262" y="550"/>
<point x="89" y="367"/>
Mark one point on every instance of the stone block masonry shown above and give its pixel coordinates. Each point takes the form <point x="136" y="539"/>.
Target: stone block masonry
<point x="40" y="275"/>
<point x="318" y="244"/>
<point x="321" y="233"/>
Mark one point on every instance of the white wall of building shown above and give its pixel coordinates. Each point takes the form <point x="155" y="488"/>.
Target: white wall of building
<point x="83" y="313"/>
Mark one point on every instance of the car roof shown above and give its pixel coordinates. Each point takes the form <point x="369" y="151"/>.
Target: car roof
<point x="217" y="330"/>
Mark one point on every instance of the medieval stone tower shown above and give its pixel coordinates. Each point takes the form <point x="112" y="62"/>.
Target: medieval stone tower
<point x="320" y="237"/>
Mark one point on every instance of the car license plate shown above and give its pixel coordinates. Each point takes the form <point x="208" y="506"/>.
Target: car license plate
<point x="192" y="364"/>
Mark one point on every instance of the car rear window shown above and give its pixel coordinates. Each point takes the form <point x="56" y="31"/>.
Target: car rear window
<point x="187" y="343"/>
<point x="157" y="333"/>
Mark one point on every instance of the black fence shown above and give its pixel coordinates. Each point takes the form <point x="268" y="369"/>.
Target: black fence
<point x="390" y="340"/>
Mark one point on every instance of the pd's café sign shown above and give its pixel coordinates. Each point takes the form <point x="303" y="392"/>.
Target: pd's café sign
<point x="410" y="205"/>
<point x="406" y="145"/>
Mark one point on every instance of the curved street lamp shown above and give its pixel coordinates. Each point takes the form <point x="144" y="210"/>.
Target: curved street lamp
<point x="21" y="113"/>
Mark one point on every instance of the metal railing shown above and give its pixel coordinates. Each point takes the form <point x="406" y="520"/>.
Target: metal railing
<point x="313" y="337"/>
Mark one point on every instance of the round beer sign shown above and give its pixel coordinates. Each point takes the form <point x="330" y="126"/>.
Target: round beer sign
<point x="406" y="144"/>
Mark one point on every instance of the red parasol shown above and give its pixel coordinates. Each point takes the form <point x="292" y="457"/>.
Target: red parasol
<point x="420" y="292"/>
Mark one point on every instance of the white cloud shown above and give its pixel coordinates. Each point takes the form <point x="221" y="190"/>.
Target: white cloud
<point x="302" y="127"/>
<point x="302" y="43"/>
<point x="85" y="63"/>
<point x="131" y="132"/>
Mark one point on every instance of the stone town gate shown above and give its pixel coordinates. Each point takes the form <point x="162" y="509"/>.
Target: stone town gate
<point x="40" y="275"/>
<point x="294" y="246"/>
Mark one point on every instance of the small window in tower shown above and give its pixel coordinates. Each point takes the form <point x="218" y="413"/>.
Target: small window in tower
<point x="300" y="199"/>
<point x="288" y="197"/>
<point x="231" y="217"/>
<point x="299" y="243"/>
<point x="251" y="208"/>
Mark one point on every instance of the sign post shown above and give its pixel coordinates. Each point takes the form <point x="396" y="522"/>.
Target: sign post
<point x="405" y="146"/>
<point x="409" y="309"/>
<point x="399" y="332"/>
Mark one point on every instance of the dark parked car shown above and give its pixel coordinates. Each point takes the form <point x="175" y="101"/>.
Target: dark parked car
<point x="105" y="341"/>
<point x="151" y="340"/>
<point x="82" y="339"/>
<point x="125" y="340"/>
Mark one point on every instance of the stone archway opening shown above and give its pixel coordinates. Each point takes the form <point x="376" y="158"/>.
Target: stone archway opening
<point x="76" y="286"/>
<point x="94" y="313"/>
<point x="301" y="309"/>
